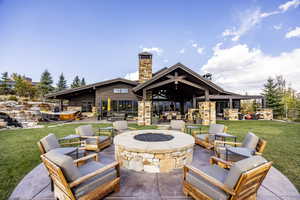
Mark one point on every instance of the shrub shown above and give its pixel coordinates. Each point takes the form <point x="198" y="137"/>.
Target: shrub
<point x="12" y="98"/>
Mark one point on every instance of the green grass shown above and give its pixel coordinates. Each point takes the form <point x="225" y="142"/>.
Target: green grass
<point x="19" y="153"/>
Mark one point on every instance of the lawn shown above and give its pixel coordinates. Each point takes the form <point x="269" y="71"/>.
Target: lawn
<point x="19" y="153"/>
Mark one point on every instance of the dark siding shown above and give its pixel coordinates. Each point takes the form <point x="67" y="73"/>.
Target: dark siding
<point x="105" y="92"/>
<point x="77" y="100"/>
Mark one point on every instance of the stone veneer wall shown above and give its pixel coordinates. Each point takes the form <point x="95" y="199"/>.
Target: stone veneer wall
<point x="154" y="162"/>
<point x="144" y="112"/>
<point x="207" y="112"/>
<point x="145" y="68"/>
<point x="267" y="113"/>
<point x="231" y="114"/>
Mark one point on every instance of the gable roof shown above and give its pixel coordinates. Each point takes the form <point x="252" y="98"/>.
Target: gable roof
<point x="184" y="68"/>
<point x="94" y="85"/>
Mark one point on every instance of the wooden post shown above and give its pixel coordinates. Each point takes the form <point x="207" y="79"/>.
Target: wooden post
<point x="194" y="102"/>
<point x="206" y="95"/>
<point x="230" y="103"/>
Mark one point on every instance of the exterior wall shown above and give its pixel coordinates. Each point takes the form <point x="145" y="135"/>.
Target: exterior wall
<point x="207" y="112"/>
<point x="83" y="97"/>
<point x="231" y="114"/>
<point x="105" y="92"/>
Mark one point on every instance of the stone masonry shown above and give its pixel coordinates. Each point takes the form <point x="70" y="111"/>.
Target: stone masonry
<point x="231" y="114"/>
<point x="145" y="67"/>
<point x="207" y="112"/>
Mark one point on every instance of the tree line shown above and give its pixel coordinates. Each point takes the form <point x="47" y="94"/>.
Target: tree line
<point x="25" y="88"/>
<point x="281" y="98"/>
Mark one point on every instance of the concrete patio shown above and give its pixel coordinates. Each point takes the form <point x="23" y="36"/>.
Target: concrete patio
<point x="140" y="185"/>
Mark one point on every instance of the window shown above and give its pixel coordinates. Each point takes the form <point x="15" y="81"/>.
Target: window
<point x="120" y="90"/>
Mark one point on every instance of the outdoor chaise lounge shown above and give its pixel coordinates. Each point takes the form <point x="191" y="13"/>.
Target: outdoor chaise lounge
<point x="207" y="139"/>
<point x="232" y="151"/>
<point x="92" y="180"/>
<point x="213" y="182"/>
<point x="91" y="142"/>
<point x="120" y="126"/>
<point x="50" y="143"/>
<point x="178" y="125"/>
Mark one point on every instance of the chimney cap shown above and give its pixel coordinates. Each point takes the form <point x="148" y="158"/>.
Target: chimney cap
<point x="145" y="53"/>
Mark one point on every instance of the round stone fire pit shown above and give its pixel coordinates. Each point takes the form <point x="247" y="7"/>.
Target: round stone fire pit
<point x="154" y="150"/>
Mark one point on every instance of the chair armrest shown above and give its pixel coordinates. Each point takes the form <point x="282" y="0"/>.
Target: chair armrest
<point x="87" y="137"/>
<point x="227" y="142"/>
<point x="258" y="154"/>
<point x="209" y="179"/>
<point x="95" y="173"/>
<point x="215" y="160"/>
<point x="70" y="143"/>
<point x="94" y="155"/>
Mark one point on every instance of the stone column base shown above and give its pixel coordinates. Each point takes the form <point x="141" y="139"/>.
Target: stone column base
<point x="207" y="112"/>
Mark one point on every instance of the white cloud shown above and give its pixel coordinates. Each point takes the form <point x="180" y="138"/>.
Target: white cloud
<point x="277" y="27"/>
<point x="132" y="76"/>
<point x="293" y="33"/>
<point x="242" y="69"/>
<point x="251" y="18"/>
<point x="182" y="51"/>
<point x="157" y="50"/>
<point x="247" y="20"/>
<point x="195" y="45"/>
<point x="290" y="4"/>
<point x="200" y="50"/>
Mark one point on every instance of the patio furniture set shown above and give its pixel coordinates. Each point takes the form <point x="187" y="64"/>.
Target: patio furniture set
<point x="236" y="172"/>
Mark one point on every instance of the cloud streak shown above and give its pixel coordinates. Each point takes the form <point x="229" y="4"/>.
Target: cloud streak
<point x="293" y="33"/>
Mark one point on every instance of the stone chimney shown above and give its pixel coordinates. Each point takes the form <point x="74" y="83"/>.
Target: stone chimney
<point x="145" y="66"/>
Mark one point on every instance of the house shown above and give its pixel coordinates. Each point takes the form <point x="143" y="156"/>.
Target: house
<point x="172" y="92"/>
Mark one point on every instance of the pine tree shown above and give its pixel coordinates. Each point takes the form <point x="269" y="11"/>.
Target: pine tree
<point x="82" y="82"/>
<point x="76" y="82"/>
<point x="62" y="83"/>
<point x="273" y="97"/>
<point x="45" y="85"/>
<point x="4" y="88"/>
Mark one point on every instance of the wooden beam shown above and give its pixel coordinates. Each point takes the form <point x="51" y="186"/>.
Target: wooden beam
<point x="191" y="84"/>
<point x="159" y="84"/>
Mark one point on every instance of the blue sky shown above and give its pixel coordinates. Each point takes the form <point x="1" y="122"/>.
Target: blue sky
<point x="240" y="42"/>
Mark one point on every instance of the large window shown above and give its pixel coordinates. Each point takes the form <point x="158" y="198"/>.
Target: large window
<point x="120" y="90"/>
<point x="127" y="106"/>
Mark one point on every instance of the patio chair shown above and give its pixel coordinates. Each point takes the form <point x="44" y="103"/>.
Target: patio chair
<point x="93" y="180"/>
<point x="213" y="182"/>
<point x="120" y="126"/>
<point x="91" y="142"/>
<point x="50" y="143"/>
<point x="234" y="151"/>
<point x="177" y="125"/>
<point x="207" y="139"/>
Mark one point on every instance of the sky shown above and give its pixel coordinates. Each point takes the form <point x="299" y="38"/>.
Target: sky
<point x="241" y="43"/>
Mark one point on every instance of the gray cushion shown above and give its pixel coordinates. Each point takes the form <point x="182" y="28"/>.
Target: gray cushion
<point x="216" y="128"/>
<point x="177" y="125"/>
<point x="100" y="138"/>
<point x="240" y="167"/>
<point x="230" y="156"/>
<point x="94" y="182"/>
<point x="204" y="186"/>
<point x="66" y="163"/>
<point x="86" y="130"/>
<point x="120" y="125"/>
<point x="65" y="150"/>
<point x="50" y="142"/>
<point x="250" y="141"/>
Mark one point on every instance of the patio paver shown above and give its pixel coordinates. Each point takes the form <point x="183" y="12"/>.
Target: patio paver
<point x="140" y="185"/>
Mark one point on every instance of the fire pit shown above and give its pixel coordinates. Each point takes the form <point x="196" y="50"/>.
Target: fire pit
<point x="153" y="137"/>
<point x="154" y="150"/>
